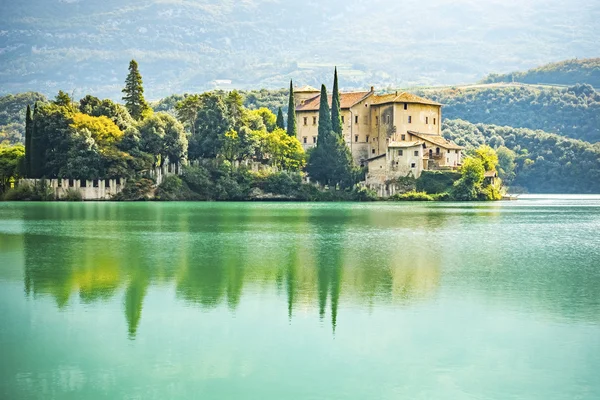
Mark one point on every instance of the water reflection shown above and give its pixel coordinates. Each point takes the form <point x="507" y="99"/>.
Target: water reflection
<point x="318" y="258"/>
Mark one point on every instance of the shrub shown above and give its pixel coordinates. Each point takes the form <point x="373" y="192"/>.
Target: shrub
<point x="412" y="196"/>
<point x="39" y="191"/>
<point x="434" y="182"/>
<point x="136" y="190"/>
<point x="173" y="188"/>
<point x="72" y="195"/>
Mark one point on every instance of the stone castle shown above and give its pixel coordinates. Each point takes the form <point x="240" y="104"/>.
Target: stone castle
<point x="394" y="135"/>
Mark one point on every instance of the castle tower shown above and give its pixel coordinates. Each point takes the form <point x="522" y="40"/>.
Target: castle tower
<point x="304" y="93"/>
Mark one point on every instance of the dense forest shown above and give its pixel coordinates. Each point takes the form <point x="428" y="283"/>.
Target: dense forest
<point x="573" y="112"/>
<point x="195" y="46"/>
<point x="568" y="72"/>
<point x="534" y="161"/>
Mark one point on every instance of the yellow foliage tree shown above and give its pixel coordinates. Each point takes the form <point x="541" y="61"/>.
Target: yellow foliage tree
<point x="103" y="130"/>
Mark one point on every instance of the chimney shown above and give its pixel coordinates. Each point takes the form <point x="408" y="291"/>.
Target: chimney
<point x="372" y="88"/>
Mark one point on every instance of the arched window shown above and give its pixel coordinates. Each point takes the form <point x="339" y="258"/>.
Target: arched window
<point x="437" y="151"/>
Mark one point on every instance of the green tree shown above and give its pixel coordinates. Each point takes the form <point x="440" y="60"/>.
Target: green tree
<point x="336" y="118"/>
<point x="212" y="122"/>
<point x="134" y="93"/>
<point x="63" y="99"/>
<point x="488" y="157"/>
<point x="280" y="123"/>
<point x="164" y="137"/>
<point x="506" y="164"/>
<point x="11" y="157"/>
<point x="28" y="129"/>
<point x="330" y="162"/>
<point x="468" y="187"/>
<point x="268" y="118"/>
<point x="187" y="111"/>
<point x="292" y="129"/>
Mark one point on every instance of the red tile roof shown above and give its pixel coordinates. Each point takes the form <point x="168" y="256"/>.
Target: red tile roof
<point x="347" y="100"/>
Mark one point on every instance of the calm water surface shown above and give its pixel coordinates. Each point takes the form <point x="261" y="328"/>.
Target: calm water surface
<point x="301" y="301"/>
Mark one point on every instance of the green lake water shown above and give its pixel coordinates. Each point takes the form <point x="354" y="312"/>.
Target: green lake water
<point x="301" y="301"/>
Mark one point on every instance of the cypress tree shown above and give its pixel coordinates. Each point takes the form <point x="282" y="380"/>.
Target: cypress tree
<point x="336" y="118"/>
<point x="280" y="123"/>
<point x="28" y="129"/>
<point x="324" y="118"/>
<point x="291" y="120"/>
<point x="134" y="93"/>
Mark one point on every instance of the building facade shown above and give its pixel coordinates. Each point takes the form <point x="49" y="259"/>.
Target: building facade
<point x="396" y="134"/>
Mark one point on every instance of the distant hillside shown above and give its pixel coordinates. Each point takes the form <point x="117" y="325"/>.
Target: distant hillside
<point x="568" y="72"/>
<point x="12" y="115"/>
<point x="573" y="112"/>
<point x="197" y="45"/>
<point x="542" y="162"/>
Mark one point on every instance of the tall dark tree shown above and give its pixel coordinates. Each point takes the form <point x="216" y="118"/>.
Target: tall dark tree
<point x="280" y="121"/>
<point x="336" y="118"/>
<point x="330" y="162"/>
<point x="134" y="93"/>
<point x="28" y="129"/>
<point x="292" y="129"/>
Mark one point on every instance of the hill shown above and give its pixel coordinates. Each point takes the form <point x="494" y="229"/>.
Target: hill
<point x="12" y="115"/>
<point x="573" y="112"/>
<point x="193" y="46"/>
<point x="568" y="72"/>
<point x="536" y="161"/>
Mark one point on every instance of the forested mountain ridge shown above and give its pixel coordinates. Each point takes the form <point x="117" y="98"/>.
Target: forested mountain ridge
<point x="185" y="46"/>
<point x="536" y="161"/>
<point x="573" y="112"/>
<point x="569" y="72"/>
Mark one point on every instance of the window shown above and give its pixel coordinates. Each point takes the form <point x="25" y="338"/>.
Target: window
<point x="305" y="121"/>
<point x="448" y="151"/>
<point x="455" y="151"/>
<point x="342" y="119"/>
<point x="367" y="139"/>
<point x="387" y="119"/>
<point x="426" y="120"/>
<point x="304" y="139"/>
<point x="372" y="151"/>
<point x="409" y="119"/>
<point x="314" y="139"/>
<point x="413" y="165"/>
<point x="376" y="120"/>
<point x="400" y="153"/>
<point x="95" y="183"/>
<point x="437" y="151"/>
<point x="356" y="119"/>
<point x="402" y="137"/>
<point x="83" y="183"/>
<point x="406" y="106"/>
<point x="434" y="121"/>
<point x="355" y="138"/>
<point x="314" y="120"/>
<point x="107" y="183"/>
<point x="416" y="153"/>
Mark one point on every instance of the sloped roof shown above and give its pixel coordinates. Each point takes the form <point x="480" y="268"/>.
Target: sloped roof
<point x="306" y="89"/>
<point x="490" y="174"/>
<point x="403" y="97"/>
<point x="437" y="140"/>
<point x="376" y="157"/>
<point x="347" y="100"/>
<point x="404" y="145"/>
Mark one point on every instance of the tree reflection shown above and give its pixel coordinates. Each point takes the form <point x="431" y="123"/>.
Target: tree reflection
<point x="311" y="255"/>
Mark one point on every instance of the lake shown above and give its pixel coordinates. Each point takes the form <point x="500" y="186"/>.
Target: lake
<point x="301" y="301"/>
